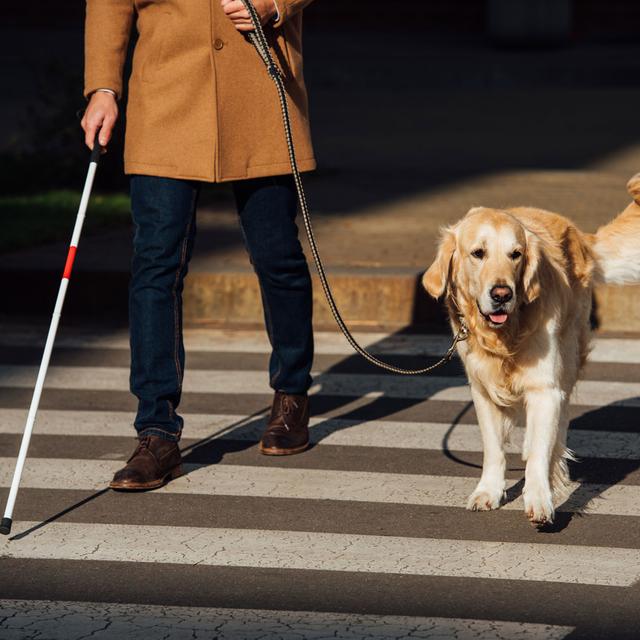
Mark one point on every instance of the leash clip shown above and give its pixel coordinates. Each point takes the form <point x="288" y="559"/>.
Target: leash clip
<point x="463" y="331"/>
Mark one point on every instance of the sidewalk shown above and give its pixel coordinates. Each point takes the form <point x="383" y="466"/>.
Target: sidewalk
<point x="374" y="257"/>
<point x="400" y="154"/>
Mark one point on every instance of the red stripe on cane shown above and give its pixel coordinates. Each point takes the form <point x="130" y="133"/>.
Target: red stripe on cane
<point x="69" y="263"/>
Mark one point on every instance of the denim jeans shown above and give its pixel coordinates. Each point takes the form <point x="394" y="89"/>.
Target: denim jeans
<point x="164" y="217"/>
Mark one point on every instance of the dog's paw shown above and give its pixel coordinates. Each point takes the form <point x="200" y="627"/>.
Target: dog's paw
<point x="484" y="500"/>
<point x="538" y="507"/>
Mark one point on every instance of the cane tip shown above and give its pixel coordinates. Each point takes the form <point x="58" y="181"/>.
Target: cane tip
<point x="5" y="526"/>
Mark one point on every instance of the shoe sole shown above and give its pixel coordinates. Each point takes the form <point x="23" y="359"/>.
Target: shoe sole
<point x="275" y="451"/>
<point x="174" y="473"/>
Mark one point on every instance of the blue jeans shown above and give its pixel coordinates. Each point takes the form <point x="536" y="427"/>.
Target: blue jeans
<point x="164" y="217"/>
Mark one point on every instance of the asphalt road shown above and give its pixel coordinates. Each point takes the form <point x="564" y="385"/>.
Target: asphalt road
<point x="363" y="536"/>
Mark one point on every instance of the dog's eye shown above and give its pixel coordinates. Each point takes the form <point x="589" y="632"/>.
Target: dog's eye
<point x="478" y="253"/>
<point x="516" y="254"/>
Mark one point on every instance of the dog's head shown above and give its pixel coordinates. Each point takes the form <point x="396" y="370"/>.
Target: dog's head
<point x="489" y="264"/>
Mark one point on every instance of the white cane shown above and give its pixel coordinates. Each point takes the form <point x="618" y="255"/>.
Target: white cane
<point x="5" y="526"/>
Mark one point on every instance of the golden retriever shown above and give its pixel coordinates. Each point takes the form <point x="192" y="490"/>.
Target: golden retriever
<point x="521" y="280"/>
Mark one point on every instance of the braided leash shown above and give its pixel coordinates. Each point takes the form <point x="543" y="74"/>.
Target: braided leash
<point x="259" y="41"/>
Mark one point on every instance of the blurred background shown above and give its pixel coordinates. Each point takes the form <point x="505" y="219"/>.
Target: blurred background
<point x="419" y="111"/>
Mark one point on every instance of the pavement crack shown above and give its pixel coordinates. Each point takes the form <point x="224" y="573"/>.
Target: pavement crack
<point x="95" y="631"/>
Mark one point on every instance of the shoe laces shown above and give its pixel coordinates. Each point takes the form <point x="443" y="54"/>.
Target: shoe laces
<point x="286" y="403"/>
<point x="287" y="406"/>
<point x="143" y="443"/>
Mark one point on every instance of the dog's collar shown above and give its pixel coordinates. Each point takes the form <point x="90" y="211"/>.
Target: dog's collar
<point x="463" y="332"/>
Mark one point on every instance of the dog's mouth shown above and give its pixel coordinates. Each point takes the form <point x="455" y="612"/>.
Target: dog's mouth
<point x="496" y="318"/>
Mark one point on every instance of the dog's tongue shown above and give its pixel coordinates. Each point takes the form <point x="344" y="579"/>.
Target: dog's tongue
<point x="498" y="318"/>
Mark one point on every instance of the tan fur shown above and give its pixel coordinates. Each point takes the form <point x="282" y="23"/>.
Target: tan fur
<point x="616" y="245"/>
<point x="528" y="366"/>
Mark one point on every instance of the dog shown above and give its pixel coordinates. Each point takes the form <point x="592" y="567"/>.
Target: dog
<point x="521" y="280"/>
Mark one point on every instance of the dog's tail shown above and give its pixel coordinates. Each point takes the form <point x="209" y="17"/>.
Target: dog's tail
<point x="617" y="244"/>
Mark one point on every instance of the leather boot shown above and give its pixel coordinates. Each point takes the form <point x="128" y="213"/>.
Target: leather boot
<point x="154" y="462"/>
<point x="287" y="431"/>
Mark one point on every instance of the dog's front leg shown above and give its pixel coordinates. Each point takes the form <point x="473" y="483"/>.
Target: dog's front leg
<point x="544" y="408"/>
<point x="493" y="426"/>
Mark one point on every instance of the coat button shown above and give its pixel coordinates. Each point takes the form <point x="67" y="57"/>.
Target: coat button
<point x="218" y="44"/>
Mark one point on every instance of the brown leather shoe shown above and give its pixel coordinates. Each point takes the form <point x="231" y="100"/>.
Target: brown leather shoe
<point x="287" y="431"/>
<point x="154" y="462"/>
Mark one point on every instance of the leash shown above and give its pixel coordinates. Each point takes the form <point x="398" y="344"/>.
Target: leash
<point x="259" y="41"/>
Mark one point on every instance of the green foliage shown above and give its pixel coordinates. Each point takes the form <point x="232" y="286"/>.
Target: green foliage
<point x="29" y="220"/>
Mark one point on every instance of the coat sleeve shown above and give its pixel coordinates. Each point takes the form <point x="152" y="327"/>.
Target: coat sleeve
<point x="106" y="39"/>
<point x="288" y="8"/>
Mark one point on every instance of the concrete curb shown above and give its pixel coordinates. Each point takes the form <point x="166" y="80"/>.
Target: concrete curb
<point x="367" y="298"/>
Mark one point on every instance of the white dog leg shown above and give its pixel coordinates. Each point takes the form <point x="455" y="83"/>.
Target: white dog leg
<point x="559" y="468"/>
<point x="490" y="489"/>
<point x="543" y="422"/>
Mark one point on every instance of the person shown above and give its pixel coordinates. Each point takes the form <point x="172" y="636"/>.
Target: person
<point x="201" y="108"/>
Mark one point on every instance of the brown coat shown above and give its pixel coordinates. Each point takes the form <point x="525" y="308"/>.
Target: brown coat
<point x="201" y="104"/>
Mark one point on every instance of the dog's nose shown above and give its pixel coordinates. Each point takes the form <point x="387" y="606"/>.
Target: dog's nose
<point x="501" y="294"/>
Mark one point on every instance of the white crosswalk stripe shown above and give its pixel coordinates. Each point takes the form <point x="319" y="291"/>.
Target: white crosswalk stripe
<point x="593" y="443"/>
<point x="329" y="552"/>
<point x="617" y="350"/>
<point x="448" y="389"/>
<point x="313" y="484"/>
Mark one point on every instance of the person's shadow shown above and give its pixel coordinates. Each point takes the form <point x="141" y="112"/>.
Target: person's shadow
<point x="350" y="391"/>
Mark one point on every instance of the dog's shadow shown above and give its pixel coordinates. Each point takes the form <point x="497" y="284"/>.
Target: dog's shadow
<point x="350" y="392"/>
<point x="594" y="475"/>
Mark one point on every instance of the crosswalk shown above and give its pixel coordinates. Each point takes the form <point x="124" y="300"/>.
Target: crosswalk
<point x="443" y="388"/>
<point x="363" y="536"/>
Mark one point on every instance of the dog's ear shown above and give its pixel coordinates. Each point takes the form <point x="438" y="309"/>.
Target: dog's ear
<point x="633" y="186"/>
<point x="436" y="276"/>
<point x="531" y="275"/>
<point x="581" y="262"/>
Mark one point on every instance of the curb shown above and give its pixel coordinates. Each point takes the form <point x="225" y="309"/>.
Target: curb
<point x="367" y="298"/>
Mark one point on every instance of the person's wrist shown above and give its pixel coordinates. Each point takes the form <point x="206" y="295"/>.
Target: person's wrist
<point x="103" y="90"/>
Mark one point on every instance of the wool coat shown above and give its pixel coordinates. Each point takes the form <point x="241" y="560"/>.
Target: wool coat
<point x="201" y="105"/>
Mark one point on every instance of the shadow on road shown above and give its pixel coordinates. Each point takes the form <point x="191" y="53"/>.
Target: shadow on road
<point x="381" y="396"/>
<point x="351" y="392"/>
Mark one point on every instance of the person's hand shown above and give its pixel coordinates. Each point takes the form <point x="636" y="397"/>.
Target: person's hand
<point x="238" y="14"/>
<point x="101" y="113"/>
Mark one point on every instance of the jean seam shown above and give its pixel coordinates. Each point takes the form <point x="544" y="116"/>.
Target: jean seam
<point x="174" y="293"/>
<point x="269" y="328"/>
